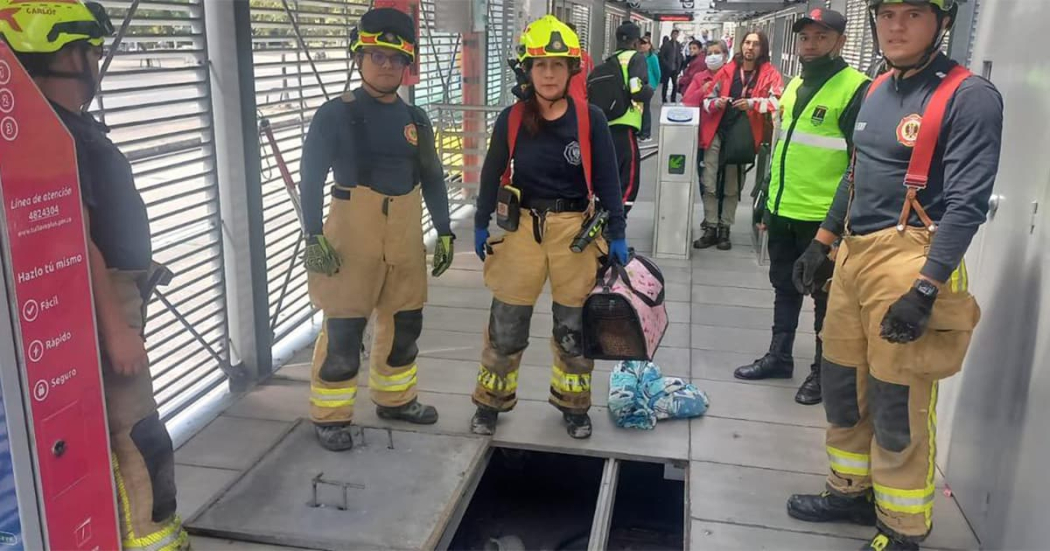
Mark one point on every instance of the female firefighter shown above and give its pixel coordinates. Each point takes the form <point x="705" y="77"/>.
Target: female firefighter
<point x="563" y="156"/>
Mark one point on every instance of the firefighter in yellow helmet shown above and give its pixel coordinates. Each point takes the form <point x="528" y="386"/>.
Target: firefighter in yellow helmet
<point x="542" y="207"/>
<point x="60" y="45"/>
<point x="369" y="253"/>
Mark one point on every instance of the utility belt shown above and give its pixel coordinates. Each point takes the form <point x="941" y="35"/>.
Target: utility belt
<point x="510" y="204"/>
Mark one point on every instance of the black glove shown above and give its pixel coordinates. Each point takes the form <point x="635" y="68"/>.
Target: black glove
<point x="907" y="318"/>
<point x="813" y="268"/>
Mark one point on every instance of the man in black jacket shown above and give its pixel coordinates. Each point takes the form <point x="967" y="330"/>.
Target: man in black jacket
<point x="672" y="58"/>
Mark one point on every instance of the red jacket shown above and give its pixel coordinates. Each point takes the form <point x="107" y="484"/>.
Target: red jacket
<point x="763" y="101"/>
<point x="578" y="84"/>
<point x="698" y="88"/>
<point x="697" y="66"/>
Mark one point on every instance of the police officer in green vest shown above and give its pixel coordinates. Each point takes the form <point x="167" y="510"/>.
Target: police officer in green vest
<point x="625" y="129"/>
<point x="818" y="112"/>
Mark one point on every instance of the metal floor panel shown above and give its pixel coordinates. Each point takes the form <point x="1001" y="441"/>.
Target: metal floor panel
<point x="400" y="490"/>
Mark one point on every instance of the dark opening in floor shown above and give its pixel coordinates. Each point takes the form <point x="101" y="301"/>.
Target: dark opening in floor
<point x="535" y="500"/>
<point x="531" y="499"/>
<point x="650" y="510"/>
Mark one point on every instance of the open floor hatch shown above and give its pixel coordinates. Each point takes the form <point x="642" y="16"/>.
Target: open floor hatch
<point x="411" y="490"/>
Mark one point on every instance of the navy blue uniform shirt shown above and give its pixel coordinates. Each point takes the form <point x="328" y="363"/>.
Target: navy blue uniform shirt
<point x="548" y="166"/>
<point x="396" y="161"/>
<point x="119" y="223"/>
<point x="961" y="176"/>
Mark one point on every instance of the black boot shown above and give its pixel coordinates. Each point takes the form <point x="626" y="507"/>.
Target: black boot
<point x="578" y="425"/>
<point x="723" y="238"/>
<point x="413" y="412"/>
<point x="827" y="507"/>
<point x="809" y="393"/>
<point x="484" y="421"/>
<point x="776" y="364"/>
<point x="334" y="438"/>
<point x="708" y="239"/>
<point x="886" y="542"/>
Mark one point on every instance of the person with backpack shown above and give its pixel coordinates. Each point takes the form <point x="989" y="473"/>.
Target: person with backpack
<point x="743" y="98"/>
<point x="369" y="255"/>
<point x="818" y="113"/>
<point x="619" y="86"/>
<point x="563" y="159"/>
<point x="578" y="84"/>
<point x="900" y="314"/>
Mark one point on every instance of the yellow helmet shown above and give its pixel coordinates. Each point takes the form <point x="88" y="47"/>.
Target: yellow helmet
<point x="548" y="37"/>
<point x="44" y="27"/>
<point x="388" y="28"/>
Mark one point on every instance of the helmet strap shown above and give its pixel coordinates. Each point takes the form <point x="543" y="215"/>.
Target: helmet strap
<point x="927" y="55"/>
<point x="84" y="76"/>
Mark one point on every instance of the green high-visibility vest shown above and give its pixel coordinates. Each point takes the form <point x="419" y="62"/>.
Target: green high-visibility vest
<point x="633" y="116"/>
<point x="811" y="155"/>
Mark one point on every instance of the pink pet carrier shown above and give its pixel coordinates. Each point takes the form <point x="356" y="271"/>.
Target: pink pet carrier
<point x="624" y="317"/>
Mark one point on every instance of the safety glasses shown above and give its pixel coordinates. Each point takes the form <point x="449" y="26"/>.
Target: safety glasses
<point x="380" y="58"/>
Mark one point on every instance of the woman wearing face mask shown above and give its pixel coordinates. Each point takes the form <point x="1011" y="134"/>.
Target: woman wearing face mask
<point x="695" y="65"/>
<point x="543" y="203"/>
<point x="700" y="87"/>
<point x="717" y="54"/>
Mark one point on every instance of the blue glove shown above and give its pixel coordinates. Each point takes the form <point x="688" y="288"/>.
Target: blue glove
<point x="481" y="236"/>
<point x="618" y="250"/>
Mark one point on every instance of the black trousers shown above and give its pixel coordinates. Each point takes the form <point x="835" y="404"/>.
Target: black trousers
<point x="670" y="77"/>
<point x="788" y="239"/>
<point x="627" y="157"/>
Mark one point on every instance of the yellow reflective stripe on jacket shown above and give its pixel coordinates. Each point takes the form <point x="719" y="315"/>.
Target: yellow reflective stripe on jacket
<point x="394" y="383"/>
<point x="910" y="502"/>
<point x="497" y="384"/>
<point x="845" y="462"/>
<point x="570" y="382"/>
<point x="633" y="116"/>
<point x="960" y="280"/>
<point x="332" y="397"/>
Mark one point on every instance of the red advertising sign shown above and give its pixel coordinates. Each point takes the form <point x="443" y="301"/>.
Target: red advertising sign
<point x="411" y="7"/>
<point x="47" y="259"/>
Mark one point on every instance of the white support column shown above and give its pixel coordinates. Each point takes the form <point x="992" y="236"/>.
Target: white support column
<point x="241" y="214"/>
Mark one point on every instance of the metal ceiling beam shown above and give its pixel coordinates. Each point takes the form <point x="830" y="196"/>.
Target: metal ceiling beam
<point x="751" y="5"/>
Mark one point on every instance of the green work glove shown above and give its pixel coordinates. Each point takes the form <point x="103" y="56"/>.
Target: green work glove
<point x="442" y="254"/>
<point x="320" y="257"/>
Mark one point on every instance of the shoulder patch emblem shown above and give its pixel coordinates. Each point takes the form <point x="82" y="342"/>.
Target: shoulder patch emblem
<point x="411" y="135"/>
<point x="908" y="130"/>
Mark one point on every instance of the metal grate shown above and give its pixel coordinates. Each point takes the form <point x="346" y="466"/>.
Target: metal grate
<point x="288" y="93"/>
<point x="581" y="17"/>
<point x="156" y="100"/>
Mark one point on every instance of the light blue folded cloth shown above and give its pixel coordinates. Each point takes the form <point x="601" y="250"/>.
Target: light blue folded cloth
<point x="639" y="396"/>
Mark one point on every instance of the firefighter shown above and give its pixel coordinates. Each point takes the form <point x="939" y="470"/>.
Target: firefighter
<point x="818" y="112"/>
<point x="60" y="45"/>
<point x="369" y="255"/>
<point x="900" y="315"/>
<point x="550" y="177"/>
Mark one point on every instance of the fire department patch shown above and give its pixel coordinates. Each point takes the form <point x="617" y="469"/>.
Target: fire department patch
<point x="411" y="134"/>
<point x="908" y="130"/>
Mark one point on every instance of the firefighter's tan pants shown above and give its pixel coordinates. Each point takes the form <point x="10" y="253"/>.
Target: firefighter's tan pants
<point x="379" y="240"/>
<point x="516" y="271"/>
<point x="880" y="397"/>
<point x="142" y="453"/>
